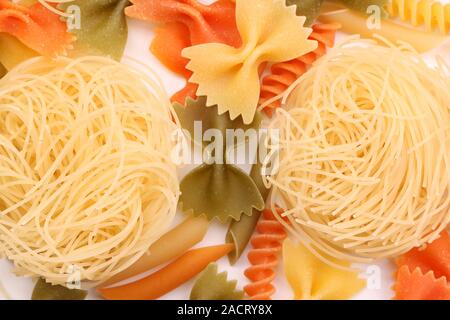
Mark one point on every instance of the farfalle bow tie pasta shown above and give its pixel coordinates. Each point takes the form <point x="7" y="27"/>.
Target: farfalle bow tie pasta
<point x="229" y="76"/>
<point x="35" y="26"/>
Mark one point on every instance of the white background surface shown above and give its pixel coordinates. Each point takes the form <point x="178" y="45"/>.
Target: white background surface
<point x="140" y="36"/>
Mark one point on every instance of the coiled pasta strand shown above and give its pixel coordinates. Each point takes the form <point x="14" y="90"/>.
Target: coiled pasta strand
<point x="350" y="101"/>
<point x="264" y="256"/>
<point x="433" y="14"/>
<point x="283" y="74"/>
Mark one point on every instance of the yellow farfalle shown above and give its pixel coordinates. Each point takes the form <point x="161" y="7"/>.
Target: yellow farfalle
<point x="228" y="76"/>
<point x="312" y="279"/>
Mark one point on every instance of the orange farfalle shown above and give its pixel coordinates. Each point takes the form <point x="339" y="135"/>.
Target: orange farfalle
<point x="186" y="23"/>
<point x="284" y="74"/>
<point x="264" y="255"/>
<point x="435" y="257"/>
<point x="418" y="286"/>
<point x="169" y="51"/>
<point x="36" y="27"/>
<point x="424" y="274"/>
<point x="213" y="23"/>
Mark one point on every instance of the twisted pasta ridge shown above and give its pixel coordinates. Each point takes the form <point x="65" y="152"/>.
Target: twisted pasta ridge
<point x="283" y="74"/>
<point x="432" y="14"/>
<point x="264" y="256"/>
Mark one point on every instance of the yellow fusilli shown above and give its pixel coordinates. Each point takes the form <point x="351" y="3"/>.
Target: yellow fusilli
<point x="433" y="14"/>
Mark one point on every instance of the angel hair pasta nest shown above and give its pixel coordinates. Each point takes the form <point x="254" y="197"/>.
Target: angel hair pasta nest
<point x="87" y="182"/>
<point x="365" y="152"/>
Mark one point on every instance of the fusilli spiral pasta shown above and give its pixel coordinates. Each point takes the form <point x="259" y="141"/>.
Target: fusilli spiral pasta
<point x="264" y="256"/>
<point x="433" y="14"/>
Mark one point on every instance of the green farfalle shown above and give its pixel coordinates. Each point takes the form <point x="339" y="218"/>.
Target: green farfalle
<point x="240" y="232"/>
<point x="363" y="5"/>
<point x="197" y="110"/>
<point x="308" y="8"/>
<point x="3" y="71"/>
<point x="46" y="291"/>
<point x="221" y="191"/>
<point x="103" y="26"/>
<point x="212" y="285"/>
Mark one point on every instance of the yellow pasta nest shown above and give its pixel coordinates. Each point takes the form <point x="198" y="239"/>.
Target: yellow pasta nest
<point x="87" y="182"/>
<point x="365" y="152"/>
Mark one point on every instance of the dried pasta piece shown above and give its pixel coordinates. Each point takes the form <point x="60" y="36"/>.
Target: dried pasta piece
<point x="307" y="8"/>
<point x="355" y="23"/>
<point x="168" y="278"/>
<point x="419" y="286"/>
<point x="198" y="111"/>
<point x="36" y="27"/>
<point x="206" y="23"/>
<point x="190" y="90"/>
<point x="218" y="179"/>
<point x="240" y="232"/>
<point x="434" y="257"/>
<point x="13" y="52"/>
<point x="169" y="52"/>
<point x="186" y="23"/>
<point x="431" y="13"/>
<point x="170" y="246"/>
<point x="46" y="291"/>
<point x="270" y="32"/>
<point x="263" y="257"/>
<point x="103" y="29"/>
<point x="312" y="279"/>
<point x="283" y="74"/>
<point x="221" y="191"/>
<point x="212" y="285"/>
